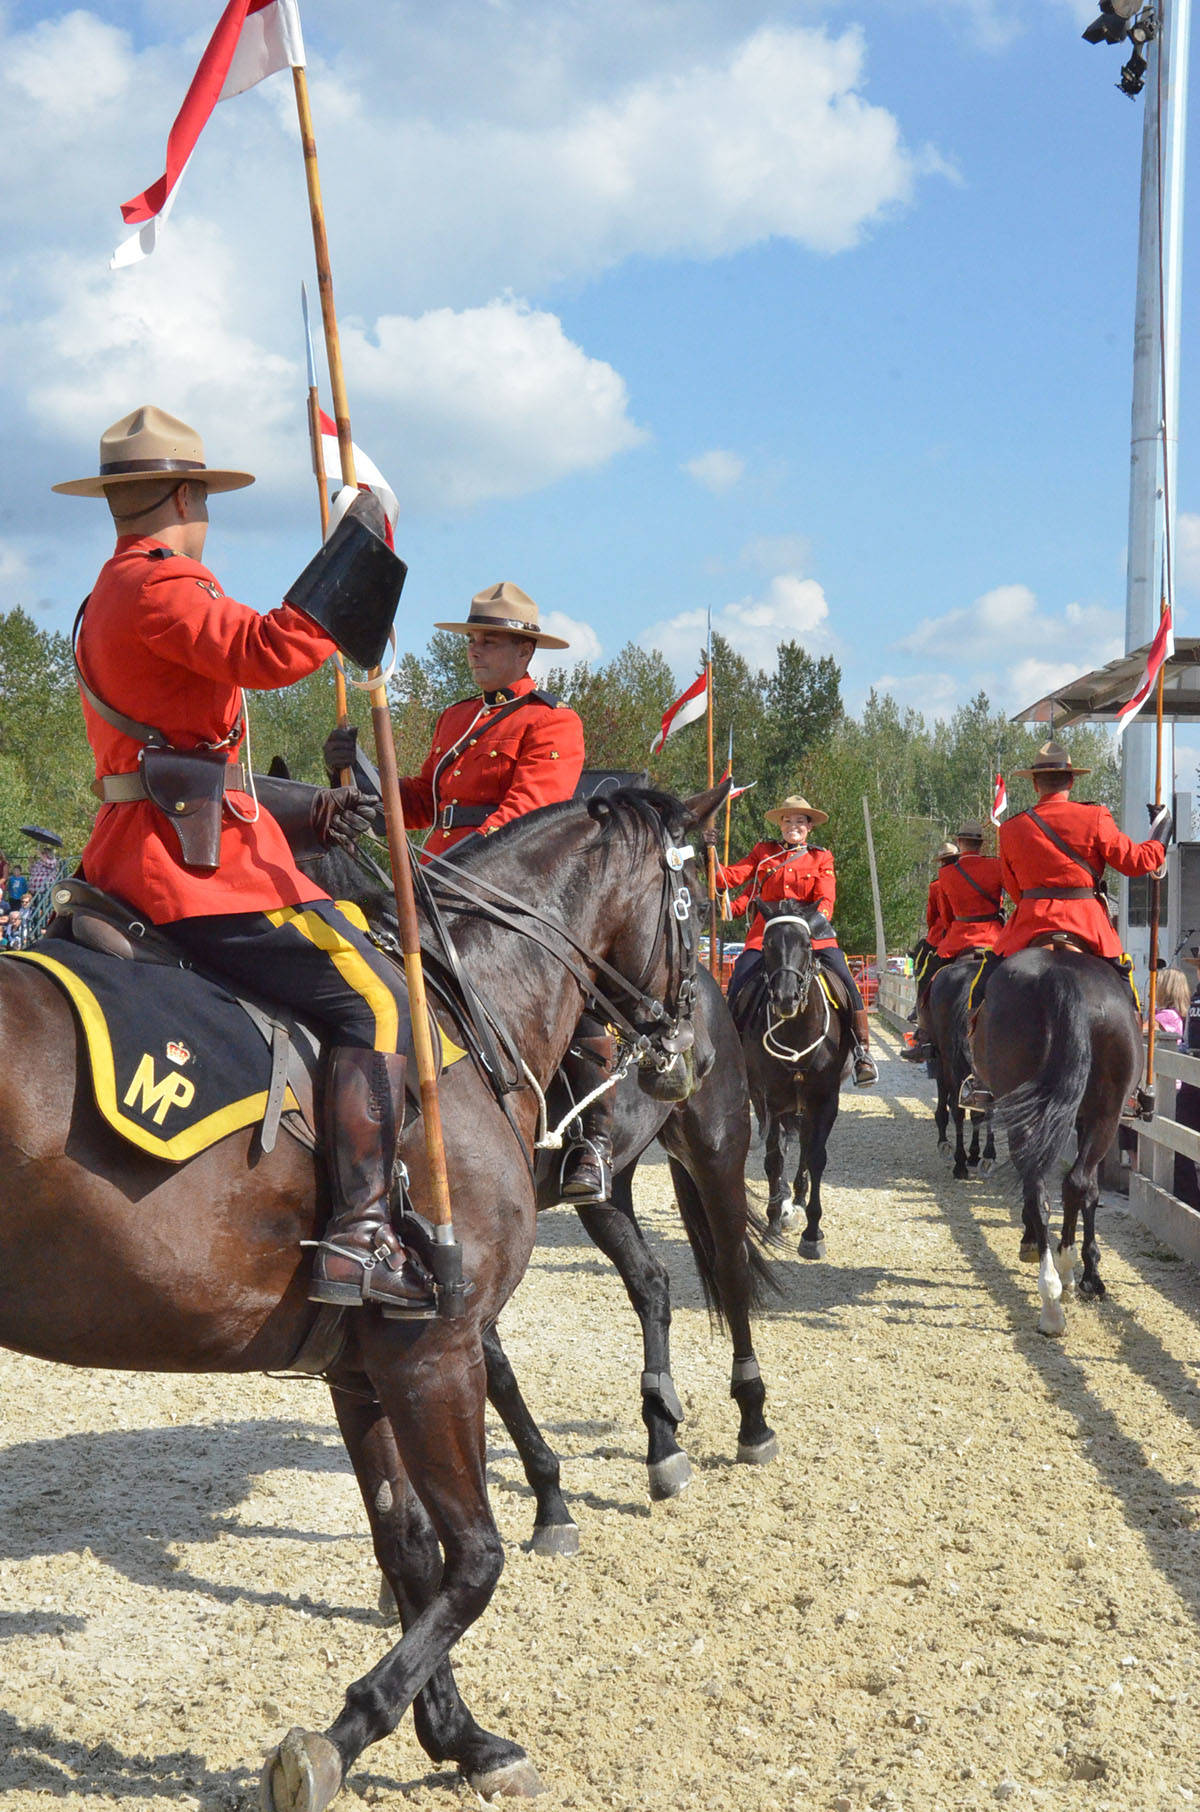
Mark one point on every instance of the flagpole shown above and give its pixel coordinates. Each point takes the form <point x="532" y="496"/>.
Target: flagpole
<point x="714" y="955"/>
<point x="1155" y="883"/>
<point x="440" y="1214"/>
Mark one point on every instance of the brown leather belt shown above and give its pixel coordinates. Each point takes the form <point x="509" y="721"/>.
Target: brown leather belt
<point x="977" y="918"/>
<point x="125" y="789"/>
<point x="1058" y="893"/>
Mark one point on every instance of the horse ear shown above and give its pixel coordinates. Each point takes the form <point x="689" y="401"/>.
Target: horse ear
<point x="279" y="769"/>
<point x="702" y="808"/>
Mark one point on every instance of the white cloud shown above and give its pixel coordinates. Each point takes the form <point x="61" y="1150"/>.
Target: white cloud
<point x="717" y="471"/>
<point x="494" y="401"/>
<point x="585" y="644"/>
<point x="990" y="634"/>
<point x="791" y="609"/>
<point x="933" y="694"/>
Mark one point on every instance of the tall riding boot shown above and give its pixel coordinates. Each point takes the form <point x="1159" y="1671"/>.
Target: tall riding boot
<point x="587" y="1166"/>
<point x="865" y="1072"/>
<point x="359" y="1258"/>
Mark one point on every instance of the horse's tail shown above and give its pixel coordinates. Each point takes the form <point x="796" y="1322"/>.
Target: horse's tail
<point x="1038" y="1117"/>
<point x="763" y="1285"/>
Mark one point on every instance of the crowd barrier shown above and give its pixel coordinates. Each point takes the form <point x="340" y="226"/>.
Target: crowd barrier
<point x="1152" y="1182"/>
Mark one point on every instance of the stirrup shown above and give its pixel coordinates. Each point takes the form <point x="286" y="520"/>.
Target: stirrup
<point x="600" y="1191"/>
<point x="861" y="1057"/>
<point x="972" y="1095"/>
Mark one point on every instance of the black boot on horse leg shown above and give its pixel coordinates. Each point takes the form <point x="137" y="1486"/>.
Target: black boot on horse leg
<point x="588" y="1065"/>
<point x="359" y="1259"/>
<point x="865" y="1071"/>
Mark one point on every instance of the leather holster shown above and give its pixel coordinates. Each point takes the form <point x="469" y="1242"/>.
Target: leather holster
<point x="188" y="787"/>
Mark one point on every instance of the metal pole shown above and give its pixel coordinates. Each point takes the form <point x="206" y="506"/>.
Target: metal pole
<point x="385" y="746"/>
<point x="714" y="954"/>
<point x="1155" y="354"/>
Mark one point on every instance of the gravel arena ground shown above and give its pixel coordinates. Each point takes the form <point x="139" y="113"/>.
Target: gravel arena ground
<point x="971" y="1577"/>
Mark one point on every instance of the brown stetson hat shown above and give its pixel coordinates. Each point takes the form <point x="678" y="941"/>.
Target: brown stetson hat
<point x="505" y="606"/>
<point x="795" y="802"/>
<point x="948" y="852"/>
<point x="149" y="443"/>
<point x="971" y="830"/>
<point x="1051" y="758"/>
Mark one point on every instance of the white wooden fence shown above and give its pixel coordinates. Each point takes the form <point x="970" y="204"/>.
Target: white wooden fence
<point x="1151" y="1186"/>
<point x="896" y="998"/>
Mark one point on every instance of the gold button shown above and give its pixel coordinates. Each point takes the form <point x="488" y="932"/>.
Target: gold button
<point x="493" y="753"/>
<point x="472" y="742"/>
<point x="457" y="772"/>
<point x="181" y="805"/>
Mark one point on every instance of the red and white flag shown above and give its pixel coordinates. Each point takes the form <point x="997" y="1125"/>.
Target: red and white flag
<point x="369" y="477"/>
<point x="253" y="39"/>
<point x="687" y="708"/>
<point x="735" y="791"/>
<point x="999" y="800"/>
<point x="1161" y="649"/>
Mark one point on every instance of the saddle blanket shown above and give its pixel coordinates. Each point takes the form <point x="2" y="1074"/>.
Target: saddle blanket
<point x="176" y="1063"/>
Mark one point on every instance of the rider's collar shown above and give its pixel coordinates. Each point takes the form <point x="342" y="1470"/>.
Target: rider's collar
<point x="500" y="697"/>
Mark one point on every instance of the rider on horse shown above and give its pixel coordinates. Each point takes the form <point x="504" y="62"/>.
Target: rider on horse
<point x="968" y="917"/>
<point x="786" y="869"/>
<point x="158" y="640"/>
<point x="504" y="751"/>
<point x="925" y="945"/>
<point x="1052" y="862"/>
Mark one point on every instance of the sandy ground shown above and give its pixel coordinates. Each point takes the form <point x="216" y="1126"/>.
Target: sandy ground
<point x="972" y="1576"/>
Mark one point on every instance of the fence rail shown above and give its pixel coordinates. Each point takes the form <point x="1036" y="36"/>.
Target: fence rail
<point x="1152" y="1184"/>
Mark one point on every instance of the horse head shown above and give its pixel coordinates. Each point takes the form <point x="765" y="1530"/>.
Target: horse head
<point x="789" y="961"/>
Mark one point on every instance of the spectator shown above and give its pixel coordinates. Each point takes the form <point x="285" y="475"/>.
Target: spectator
<point x="1172" y="997"/>
<point x="3" y="869"/>
<point x="1187" y="1105"/>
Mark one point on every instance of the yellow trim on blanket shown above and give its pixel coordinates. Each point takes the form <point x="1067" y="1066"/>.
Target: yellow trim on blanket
<point x="229" y="1119"/>
<point x="829" y="994"/>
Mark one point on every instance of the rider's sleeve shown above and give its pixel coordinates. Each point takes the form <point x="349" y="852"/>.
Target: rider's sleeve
<point x="733" y="874"/>
<point x="547" y="769"/>
<point x="184" y="618"/>
<point x="416" y="793"/>
<point x="1012" y="886"/>
<point x="826" y="892"/>
<point x="1121" y="852"/>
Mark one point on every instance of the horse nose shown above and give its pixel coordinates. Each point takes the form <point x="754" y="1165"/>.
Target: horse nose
<point x="788" y="1001"/>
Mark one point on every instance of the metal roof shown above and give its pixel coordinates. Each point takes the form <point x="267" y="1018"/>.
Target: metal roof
<point x="1101" y="695"/>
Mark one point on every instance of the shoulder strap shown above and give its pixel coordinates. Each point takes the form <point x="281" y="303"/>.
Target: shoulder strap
<point x="541" y="698"/>
<point x="1065" y="849"/>
<point x="992" y="900"/>
<point x="128" y="726"/>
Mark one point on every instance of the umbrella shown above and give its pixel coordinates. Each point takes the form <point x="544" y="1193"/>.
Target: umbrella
<point x="49" y="837"/>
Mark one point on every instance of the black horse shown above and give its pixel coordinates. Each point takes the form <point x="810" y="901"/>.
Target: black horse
<point x="1059" y="1043"/>
<point x="707" y="1137"/>
<point x="798" y="1039"/>
<point x="947" y="1010"/>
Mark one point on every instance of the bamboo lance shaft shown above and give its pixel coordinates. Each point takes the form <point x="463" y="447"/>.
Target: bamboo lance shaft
<point x="714" y="958"/>
<point x="381" y="719"/>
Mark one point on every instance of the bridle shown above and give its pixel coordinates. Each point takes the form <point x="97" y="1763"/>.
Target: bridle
<point x="654" y="1032"/>
<point x="804" y="974"/>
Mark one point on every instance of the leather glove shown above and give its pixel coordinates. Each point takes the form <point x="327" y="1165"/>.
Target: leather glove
<point x="339" y="750"/>
<point x="709" y="835"/>
<point x="1162" y="825"/>
<point x="340" y="814"/>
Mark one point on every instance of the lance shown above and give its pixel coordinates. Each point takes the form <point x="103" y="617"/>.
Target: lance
<point x="1155" y="883"/>
<point x="728" y="814"/>
<point x="318" y="457"/>
<point x="447" y="1252"/>
<point x="714" y="955"/>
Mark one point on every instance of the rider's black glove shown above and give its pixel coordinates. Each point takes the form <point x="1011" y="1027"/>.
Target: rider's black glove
<point x="709" y="835"/>
<point x="340" y="748"/>
<point x="1162" y="825"/>
<point x="340" y="814"/>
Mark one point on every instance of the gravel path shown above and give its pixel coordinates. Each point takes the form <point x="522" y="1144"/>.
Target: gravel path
<point x="971" y="1578"/>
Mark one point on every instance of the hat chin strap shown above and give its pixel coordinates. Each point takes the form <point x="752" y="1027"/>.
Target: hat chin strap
<point x="147" y="509"/>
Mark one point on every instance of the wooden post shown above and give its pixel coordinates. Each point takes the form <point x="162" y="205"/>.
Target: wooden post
<point x="880" y="941"/>
<point x="381" y="719"/>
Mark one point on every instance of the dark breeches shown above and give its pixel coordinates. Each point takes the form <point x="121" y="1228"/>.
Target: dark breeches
<point x="312" y="959"/>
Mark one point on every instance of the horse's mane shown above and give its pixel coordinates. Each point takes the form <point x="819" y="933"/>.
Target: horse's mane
<point x="614" y="812"/>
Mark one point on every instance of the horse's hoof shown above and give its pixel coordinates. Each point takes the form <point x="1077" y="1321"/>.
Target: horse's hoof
<point x="986" y="1166"/>
<point x="762" y="1455"/>
<point x="812" y="1248"/>
<point x="389" y="1611"/>
<point x="302" y="1775"/>
<point x="516" y="1780"/>
<point x="961" y="1174"/>
<point x="1029" y="1254"/>
<point x="1053" y="1323"/>
<point x="1091" y="1289"/>
<point x="555" y="1538"/>
<point x="788" y="1215"/>
<point x="670" y="1476"/>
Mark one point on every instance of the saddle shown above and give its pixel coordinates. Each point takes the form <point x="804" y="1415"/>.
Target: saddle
<point x="1060" y="940"/>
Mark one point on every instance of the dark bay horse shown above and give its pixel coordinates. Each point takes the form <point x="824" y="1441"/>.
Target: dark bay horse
<point x="797" y="1045"/>
<point x="1059" y="1044"/>
<point x="113" y="1258"/>
<point x="706" y="1137"/>
<point x="947" y="1011"/>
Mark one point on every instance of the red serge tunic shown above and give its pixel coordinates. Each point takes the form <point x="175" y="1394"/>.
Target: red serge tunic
<point x="1029" y="860"/>
<point x="969" y="891"/>
<point x="777" y="871"/>
<point x="161" y="643"/>
<point x="533" y="757"/>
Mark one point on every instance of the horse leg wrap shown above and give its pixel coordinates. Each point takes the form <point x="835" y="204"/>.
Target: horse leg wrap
<point x="661" y="1385"/>
<point x="744" y="1371"/>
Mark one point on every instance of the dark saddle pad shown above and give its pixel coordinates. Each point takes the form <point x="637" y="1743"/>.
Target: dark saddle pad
<point x="176" y="1060"/>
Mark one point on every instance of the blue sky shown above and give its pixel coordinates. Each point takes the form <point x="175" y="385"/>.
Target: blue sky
<point x="819" y="317"/>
